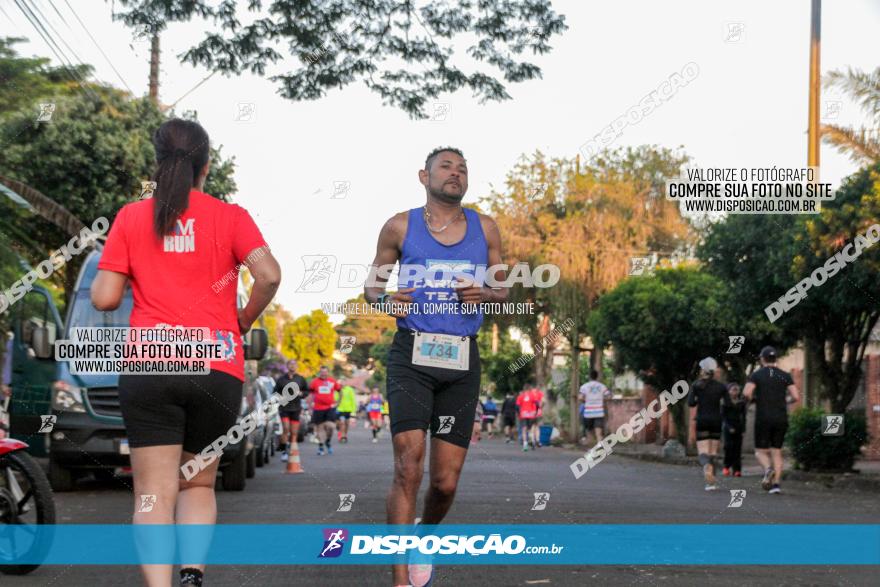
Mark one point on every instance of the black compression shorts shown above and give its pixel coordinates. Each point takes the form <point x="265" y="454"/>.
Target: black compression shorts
<point x="770" y="434"/>
<point x="321" y="416"/>
<point x="190" y="410"/>
<point x="443" y="401"/>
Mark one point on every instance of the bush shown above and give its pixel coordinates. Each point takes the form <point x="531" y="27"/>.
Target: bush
<point x="813" y="451"/>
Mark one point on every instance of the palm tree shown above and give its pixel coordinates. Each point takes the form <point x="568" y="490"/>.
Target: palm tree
<point x="861" y="144"/>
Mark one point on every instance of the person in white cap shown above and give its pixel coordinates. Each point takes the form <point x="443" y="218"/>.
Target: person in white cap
<point x="708" y="395"/>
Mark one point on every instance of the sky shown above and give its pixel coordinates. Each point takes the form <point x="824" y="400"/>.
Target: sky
<point x="320" y="178"/>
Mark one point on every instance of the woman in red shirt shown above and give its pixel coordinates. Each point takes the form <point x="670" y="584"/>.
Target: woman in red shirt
<point x="174" y="250"/>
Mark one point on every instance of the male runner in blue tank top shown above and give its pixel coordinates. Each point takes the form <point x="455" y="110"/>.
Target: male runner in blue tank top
<point x="433" y="367"/>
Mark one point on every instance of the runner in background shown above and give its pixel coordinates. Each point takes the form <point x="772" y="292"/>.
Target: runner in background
<point x="734" y="415"/>
<point x="374" y="412"/>
<point x="346" y="411"/>
<point x="478" y="422"/>
<point x="708" y="395"/>
<point x="771" y="389"/>
<point x="508" y="417"/>
<point x="290" y="412"/>
<point x="594" y="393"/>
<point x="324" y="413"/>
<point x="490" y="412"/>
<point x="539" y="413"/>
<point x="386" y="415"/>
<point x="528" y="412"/>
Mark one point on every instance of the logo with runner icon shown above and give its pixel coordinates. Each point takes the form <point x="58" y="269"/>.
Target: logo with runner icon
<point x="737" y="497"/>
<point x="346" y="501"/>
<point x="832" y="425"/>
<point x="446" y="423"/>
<point x="47" y="423"/>
<point x="334" y="542"/>
<point x="541" y="500"/>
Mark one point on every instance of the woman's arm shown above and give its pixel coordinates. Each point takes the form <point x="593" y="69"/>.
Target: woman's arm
<point x="107" y="290"/>
<point x="267" y="277"/>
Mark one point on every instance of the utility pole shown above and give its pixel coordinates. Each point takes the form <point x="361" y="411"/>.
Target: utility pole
<point x="811" y="382"/>
<point x="154" y="69"/>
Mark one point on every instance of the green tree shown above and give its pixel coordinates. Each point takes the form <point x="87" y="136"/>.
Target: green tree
<point x="496" y="372"/>
<point x="587" y="220"/>
<point x="403" y="52"/>
<point x="28" y="80"/>
<point x="366" y="328"/>
<point x="661" y="326"/>
<point x="311" y="340"/>
<point x="761" y="258"/>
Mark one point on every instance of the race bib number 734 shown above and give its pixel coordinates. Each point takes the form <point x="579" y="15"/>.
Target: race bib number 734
<point x="441" y="350"/>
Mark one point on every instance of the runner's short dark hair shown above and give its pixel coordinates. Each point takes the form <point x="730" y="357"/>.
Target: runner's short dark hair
<point x="433" y="155"/>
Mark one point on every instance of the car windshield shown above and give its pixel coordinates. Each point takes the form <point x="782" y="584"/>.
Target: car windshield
<point x="85" y="314"/>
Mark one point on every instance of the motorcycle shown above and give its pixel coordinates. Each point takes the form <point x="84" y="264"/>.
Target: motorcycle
<point x="25" y="498"/>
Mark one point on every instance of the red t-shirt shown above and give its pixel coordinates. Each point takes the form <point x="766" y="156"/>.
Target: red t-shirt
<point x="322" y="392"/>
<point x="527" y="406"/>
<point x="173" y="279"/>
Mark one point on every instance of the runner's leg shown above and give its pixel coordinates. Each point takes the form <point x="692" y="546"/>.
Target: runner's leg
<point x="409" y="462"/>
<point x="196" y="502"/>
<point x="445" y="466"/>
<point x="156" y="472"/>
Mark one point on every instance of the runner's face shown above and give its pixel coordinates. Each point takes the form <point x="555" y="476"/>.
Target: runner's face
<point x="323" y="373"/>
<point x="291" y="366"/>
<point x="447" y="179"/>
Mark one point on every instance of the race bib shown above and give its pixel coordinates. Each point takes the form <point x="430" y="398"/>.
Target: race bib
<point x="441" y="350"/>
<point x="324" y="389"/>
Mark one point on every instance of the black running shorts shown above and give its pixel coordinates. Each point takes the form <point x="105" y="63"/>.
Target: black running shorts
<point x="709" y="430"/>
<point x="443" y="401"/>
<point x="593" y="423"/>
<point x="770" y="434"/>
<point x="321" y="416"/>
<point x="190" y="410"/>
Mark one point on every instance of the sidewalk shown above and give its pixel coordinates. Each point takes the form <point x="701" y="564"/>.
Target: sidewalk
<point x="867" y="477"/>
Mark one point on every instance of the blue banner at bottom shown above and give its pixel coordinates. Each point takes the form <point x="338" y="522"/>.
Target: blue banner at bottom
<point x="456" y="544"/>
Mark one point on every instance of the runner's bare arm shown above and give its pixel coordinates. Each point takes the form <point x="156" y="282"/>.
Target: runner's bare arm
<point x="108" y="289"/>
<point x="749" y="391"/>
<point x="266" y="272"/>
<point x="387" y="254"/>
<point x="793" y="391"/>
<point x="488" y="293"/>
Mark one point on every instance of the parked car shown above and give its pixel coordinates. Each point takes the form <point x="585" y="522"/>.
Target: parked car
<point x="268" y="422"/>
<point x="88" y="434"/>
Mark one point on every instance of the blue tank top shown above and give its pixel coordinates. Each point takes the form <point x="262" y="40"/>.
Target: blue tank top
<point x="437" y="309"/>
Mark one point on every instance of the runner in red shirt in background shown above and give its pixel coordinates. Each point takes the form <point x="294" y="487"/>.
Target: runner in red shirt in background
<point x="180" y="251"/>
<point x="528" y="412"/>
<point x="324" y="410"/>
<point x="538" y="396"/>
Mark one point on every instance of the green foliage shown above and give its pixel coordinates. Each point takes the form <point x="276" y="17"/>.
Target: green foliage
<point x="496" y="374"/>
<point x="813" y="451"/>
<point x="28" y="80"/>
<point x="403" y="52"/>
<point x="661" y="326"/>
<point x="761" y="257"/>
<point x="311" y="340"/>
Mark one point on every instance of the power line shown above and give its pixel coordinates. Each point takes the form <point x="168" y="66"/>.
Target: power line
<point x="44" y="34"/>
<point x="107" y="59"/>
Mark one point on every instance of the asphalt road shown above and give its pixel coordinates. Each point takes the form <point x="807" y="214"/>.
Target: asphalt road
<point x="497" y="487"/>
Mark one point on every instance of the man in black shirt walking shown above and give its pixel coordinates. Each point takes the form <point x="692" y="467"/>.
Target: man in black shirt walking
<point x="290" y="412"/>
<point x="771" y="389"/>
<point x="508" y="415"/>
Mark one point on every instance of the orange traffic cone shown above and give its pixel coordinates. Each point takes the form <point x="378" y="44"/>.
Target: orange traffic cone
<point x="293" y="463"/>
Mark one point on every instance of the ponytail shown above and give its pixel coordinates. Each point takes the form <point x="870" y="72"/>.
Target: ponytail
<point x="182" y="150"/>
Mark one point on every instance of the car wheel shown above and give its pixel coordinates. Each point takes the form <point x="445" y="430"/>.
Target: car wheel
<point x="251" y="468"/>
<point x="234" y="474"/>
<point x="60" y="478"/>
<point x="260" y="455"/>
